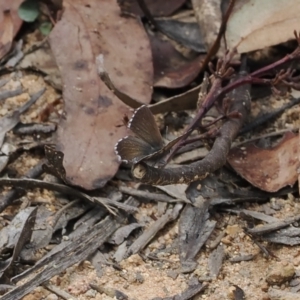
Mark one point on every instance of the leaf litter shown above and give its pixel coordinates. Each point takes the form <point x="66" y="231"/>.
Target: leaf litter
<point x="156" y="7"/>
<point x="176" y="71"/>
<point x="174" y="256"/>
<point x="268" y="169"/>
<point x="263" y="32"/>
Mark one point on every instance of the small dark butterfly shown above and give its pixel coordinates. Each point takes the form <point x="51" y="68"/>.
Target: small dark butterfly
<point x="147" y="144"/>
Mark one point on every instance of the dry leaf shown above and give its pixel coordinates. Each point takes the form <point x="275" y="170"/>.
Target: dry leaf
<point x="186" y="100"/>
<point x="268" y="169"/>
<point x="176" y="191"/>
<point x="209" y="16"/>
<point x="156" y="7"/>
<point x="256" y="24"/>
<point x="172" y="69"/>
<point x="10" y="24"/>
<point x="185" y="33"/>
<point x="89" y="128"/>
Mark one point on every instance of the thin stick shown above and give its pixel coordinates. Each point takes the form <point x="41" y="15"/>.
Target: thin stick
<point x="35" y="183"/>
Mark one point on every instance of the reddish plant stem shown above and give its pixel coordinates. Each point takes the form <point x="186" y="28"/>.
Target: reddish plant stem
<point x="245" y="80"/>
<point x="206" y="105"/>
<point x="216" y="45"/>
<point x="252" y="78"/>
<point x="287" y="58"/>
<point x="216" y="92"/>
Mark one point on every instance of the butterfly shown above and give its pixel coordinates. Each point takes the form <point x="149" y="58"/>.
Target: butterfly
<point x="147" y="144"/>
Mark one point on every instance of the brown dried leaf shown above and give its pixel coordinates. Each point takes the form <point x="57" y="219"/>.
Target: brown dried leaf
<point x="133" y="103"/>
<point x="10" y="24"/>
<point x="171" y="69"/>
<point x="186" y="100"/>
<point x="185" y="33"/>
<point x="6" y="35"/>
<point x="209" y="16"/>
<point x="125" y="47"/>
<point x="268" y="169"/>
<point x="256" y="24"/>
<point x="88" y="130"/>
<point x="156" y="7"/>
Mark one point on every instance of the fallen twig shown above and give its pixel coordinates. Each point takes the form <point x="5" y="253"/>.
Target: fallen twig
<point x="59" y="292"/>
<point x="7" y="94"/>
<point x="264" y="136"/>
<point x="11" y="195"/>
<point x="145" y="238"/>
<point x="9" y="122"/>
<point x="110" y="292"/>
<point x="268" y="116"/>
<point x="216" y="45"/>
<point x="189" y="293"/>
<point x="148" y="195"/>
<point x="35" y="183"/>
<point x="273" y="226"/>
<point x="215" y="261"/>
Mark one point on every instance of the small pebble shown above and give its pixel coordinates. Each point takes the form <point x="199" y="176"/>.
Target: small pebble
<point x="139" y="277"/>
<point x="51" y="297"/>
<point x="280" y="272"/>
<point x="232" y="230"/>
<point x="265" y="287"/>
<point x="226" y="240"/>
<point x="173" y="274"/>
<point x="275" y="294"/>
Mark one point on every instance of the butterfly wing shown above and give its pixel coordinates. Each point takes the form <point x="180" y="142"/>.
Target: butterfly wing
<point x="132" y="149"/>
<point x="158" y="155"/>
<point x="143" y="125"/>
<point x="147" y="144"/>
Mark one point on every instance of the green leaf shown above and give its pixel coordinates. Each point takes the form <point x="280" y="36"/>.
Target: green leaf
<point x="45" y="28"/>
<point x="29" y="10"/>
